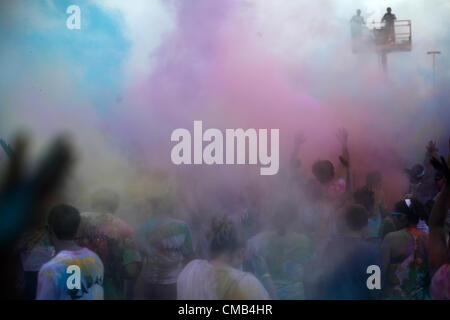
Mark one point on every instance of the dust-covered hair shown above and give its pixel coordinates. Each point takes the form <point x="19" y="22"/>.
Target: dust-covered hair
<point x="364" y="197"/>
<point x="64" y="220"/>
<point x="224" y="236"/>
<point x="413" y="212"/>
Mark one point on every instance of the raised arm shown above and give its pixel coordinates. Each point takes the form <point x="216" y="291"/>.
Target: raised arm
<point x="8" y="150"/>
<point x="385" y="253"/>
<point x="344" y="158"/>
<point x="432" y="152"/>
<point x="295" y="159"/>
<point x="437" y="251"/>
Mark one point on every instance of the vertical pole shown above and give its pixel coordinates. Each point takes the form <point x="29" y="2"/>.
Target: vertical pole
<point x="384" y="61"/>
<point x="434" y="53"/>
<point x="434" y="71"/>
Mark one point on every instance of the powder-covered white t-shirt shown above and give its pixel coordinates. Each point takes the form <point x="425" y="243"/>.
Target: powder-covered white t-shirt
<point x="200" y="280"/>
<point x="53" y="276"/>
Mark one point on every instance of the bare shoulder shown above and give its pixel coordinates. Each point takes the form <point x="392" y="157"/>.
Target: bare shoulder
<point x="391" y="236"/>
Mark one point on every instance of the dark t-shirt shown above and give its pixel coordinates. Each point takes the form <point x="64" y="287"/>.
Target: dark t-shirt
<point x="389" y="19"/>
<point x="346" y="260"/>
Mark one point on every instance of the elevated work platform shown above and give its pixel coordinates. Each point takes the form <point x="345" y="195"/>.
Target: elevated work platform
<point x="402" y="37"/>
<point x="377" y="37"/>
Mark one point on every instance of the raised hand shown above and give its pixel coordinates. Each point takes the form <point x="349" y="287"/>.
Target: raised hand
<point x="431" y="149"/>
<point x="344" y="162"/>
<point x="299" y="139"/>
<point x="441" y="166"/>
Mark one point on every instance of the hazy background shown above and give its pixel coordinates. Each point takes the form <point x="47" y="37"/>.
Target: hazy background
<point x="139" y="69"/>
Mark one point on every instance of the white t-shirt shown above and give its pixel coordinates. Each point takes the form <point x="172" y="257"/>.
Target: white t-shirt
<point x="200" y="280"/>
<point x="53" y="276"/>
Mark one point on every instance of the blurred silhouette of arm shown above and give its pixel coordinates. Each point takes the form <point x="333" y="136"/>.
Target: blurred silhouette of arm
<point x="437" y="250"/>
<point x="22" y="200"/>
<point x="385" y="251"/>
<point x="22" y="195"/>
<point x="344" y="158"/>
<point x="6" y="148"/>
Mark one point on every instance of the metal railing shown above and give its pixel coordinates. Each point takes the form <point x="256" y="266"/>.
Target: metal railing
<point x="400" y="40"/>
<point x="402" y="32"/>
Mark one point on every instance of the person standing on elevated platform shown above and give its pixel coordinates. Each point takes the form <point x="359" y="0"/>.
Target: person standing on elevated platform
<point x="357" y="23"/>
<point x="389" y="20"/>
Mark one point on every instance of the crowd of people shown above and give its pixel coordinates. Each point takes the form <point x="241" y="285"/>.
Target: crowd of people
<point x="317" y="242"/>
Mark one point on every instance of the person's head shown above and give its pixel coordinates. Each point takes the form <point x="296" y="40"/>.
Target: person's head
<point x="389" y="10"/>
<point x="406" y="213"/>
<point x="356" y="218"/>
<point x="416" y="173"/>
<point x="323" y="170"/>
<point x="226" y="241"/>
<point x="358" y="12"/>
<point x="365" y="198"/>
<point x="105" y="201"/>
<point x="63" y="222"/>
<point x="373" y="180"/>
